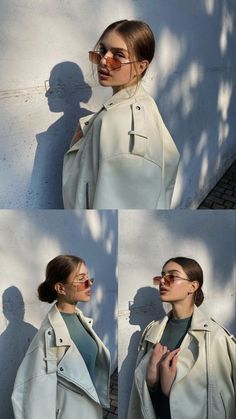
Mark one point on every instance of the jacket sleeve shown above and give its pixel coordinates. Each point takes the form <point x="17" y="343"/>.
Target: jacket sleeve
<point x="138" y="168"/>
<point x="35" y="389"/>
<point x="223" y="369"/>
<point x="137" y="397"/>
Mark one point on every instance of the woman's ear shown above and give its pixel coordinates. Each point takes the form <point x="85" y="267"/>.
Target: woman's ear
<point x="193" y="286"/>
<point x="59" y="288"/>
<point x="142" y="66"/>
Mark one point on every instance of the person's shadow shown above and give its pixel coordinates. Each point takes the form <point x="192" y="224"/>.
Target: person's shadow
<point x="145" y="307"/>
<point x="14" y="342"/>
<point x="65" y="90"/>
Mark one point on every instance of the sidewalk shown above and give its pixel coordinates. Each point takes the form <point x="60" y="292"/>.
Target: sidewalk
<point x="223" y="195"/>
<point x="112" y="413"/>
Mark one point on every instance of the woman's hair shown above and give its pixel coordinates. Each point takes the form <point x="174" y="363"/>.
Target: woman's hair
<point x="57" y="270"/>
<point x="138" y="37"/>
<point x="194" y="272"/>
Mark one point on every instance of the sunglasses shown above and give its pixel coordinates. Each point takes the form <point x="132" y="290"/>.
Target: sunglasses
<point x="83" y="283"/>
<point x="169" y="278"/>
<point x="111" y="62"/>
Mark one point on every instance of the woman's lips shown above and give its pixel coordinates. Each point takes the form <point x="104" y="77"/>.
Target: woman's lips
<point x="103" y="74"/>
<point x="163" y="290"/>
<point x="88" y="293"/>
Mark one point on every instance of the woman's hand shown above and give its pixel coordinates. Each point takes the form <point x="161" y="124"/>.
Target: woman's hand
<point x="152" y="376"/>
<point x="168" y="370"/>
<point x="77" y="135"/>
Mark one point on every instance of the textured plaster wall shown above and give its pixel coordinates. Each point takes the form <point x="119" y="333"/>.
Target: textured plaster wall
<point x="146" y="241"/>
<point x="192" y="78"/>
<point x="28" y="240"/>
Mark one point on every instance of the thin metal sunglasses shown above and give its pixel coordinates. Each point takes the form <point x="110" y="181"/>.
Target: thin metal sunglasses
<point x="112" y="63"/>
<point x="169" y="278"/>
<point x="84" y="283"/>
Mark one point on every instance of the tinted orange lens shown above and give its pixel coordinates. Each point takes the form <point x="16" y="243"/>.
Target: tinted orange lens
<point x="113" y="63"/>
<point x="157" y="280"/>
<point x="94" y="57"/>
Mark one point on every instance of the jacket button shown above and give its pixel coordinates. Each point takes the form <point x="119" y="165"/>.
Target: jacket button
<point x="138" y="108"/>
<point x="205" y="325"/>
<point x="110" y="104"/>
<point x="61" y="340"/>
<point x="61" y="369"/>
<point x="49" y="333"/>
<point x="86" y="123"/>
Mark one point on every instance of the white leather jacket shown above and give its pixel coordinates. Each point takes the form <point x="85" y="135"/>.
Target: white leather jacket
<point x="125" y="159"/>
<point x="204" y="387"/>
<point x="53" y="381"/>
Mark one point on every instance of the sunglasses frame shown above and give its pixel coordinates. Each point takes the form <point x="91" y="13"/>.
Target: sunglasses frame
<point x="109" y="60"/>
<point x="166" y="277"/>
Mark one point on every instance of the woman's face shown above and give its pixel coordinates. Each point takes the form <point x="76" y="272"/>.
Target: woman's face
<point x="112" y="45"/>
<point x="178" y="290"/>
<point x="78" y="286"/>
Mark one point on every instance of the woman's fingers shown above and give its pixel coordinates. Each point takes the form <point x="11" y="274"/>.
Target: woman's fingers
<point x="169" y="357"/>
<point x="158" y="352"/>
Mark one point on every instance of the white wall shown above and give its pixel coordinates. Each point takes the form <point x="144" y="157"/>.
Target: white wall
<point x="192" y="78"/>
<point x="28" y="240"/>
<point x="146" y="241"/>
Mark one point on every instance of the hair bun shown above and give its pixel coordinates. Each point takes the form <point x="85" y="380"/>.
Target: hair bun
<point x="199" y="297"/>
<point x="46" y="293"/>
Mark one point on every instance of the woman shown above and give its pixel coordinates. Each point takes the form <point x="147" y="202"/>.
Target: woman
<point x="186" y="363"/>
<point x="65" y="372"/>
<point x="123" y="156"/>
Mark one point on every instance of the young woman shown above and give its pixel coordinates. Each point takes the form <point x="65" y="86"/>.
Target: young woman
<point x="186" y="363"/>
<point x="65" y="372"/>
<point x="123" y="156"/>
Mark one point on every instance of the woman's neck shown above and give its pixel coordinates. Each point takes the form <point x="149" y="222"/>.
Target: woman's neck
<point x="182" y="311"/>
<point x="66" y="307"/>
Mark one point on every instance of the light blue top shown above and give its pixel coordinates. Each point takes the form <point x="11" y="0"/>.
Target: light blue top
<point x="83" y="341"/>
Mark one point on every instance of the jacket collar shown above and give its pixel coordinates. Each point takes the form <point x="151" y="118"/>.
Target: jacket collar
<point x="132" y="93"/>
<point x="61" y="332"/>
<point x="200" y="322"/>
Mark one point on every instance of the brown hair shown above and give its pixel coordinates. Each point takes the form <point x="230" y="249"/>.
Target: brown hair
<point x="194" y="272"/>
<point x="138" y="37"/>
<point x="57" y="270"/>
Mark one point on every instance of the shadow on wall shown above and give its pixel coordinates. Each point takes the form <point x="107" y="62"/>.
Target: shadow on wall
<point x="145" y="308"/>
<point x="195" y="88"/>
<point x="14" y="342"/>
<point x="65" y="90"/>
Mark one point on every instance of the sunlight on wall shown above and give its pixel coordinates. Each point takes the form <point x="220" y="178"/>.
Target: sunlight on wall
<point x="202" y="144"/>
<point x="99" y="294"/>
<point x="171" y="49"/>
<point x="94" y="224"/>
<point x="224" y="97"/>
<point x="204" y="170"/>
<point x="209" y="5"/>
<point x="183" y="88"/>
<point x="226" y="29"/>
<point x="109" y="242"/>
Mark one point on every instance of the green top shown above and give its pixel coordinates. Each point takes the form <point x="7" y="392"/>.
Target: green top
<point x="174" y="332"/>
<point x="172" y="337"/>
<point x="82" y="340"/>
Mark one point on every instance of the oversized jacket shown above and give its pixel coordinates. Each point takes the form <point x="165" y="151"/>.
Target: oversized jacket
<point x="125" y="159"/>
<point x="204" y="386"/>
<point x="53" y="381"/>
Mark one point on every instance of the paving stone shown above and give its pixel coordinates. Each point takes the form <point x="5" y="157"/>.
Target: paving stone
<point x="112" y="413"/>
<point x="223" y="195"/>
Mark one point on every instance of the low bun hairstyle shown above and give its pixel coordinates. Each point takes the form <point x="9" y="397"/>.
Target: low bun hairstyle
<point x="57" y="270"/>
<point x="194" y="272"/>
